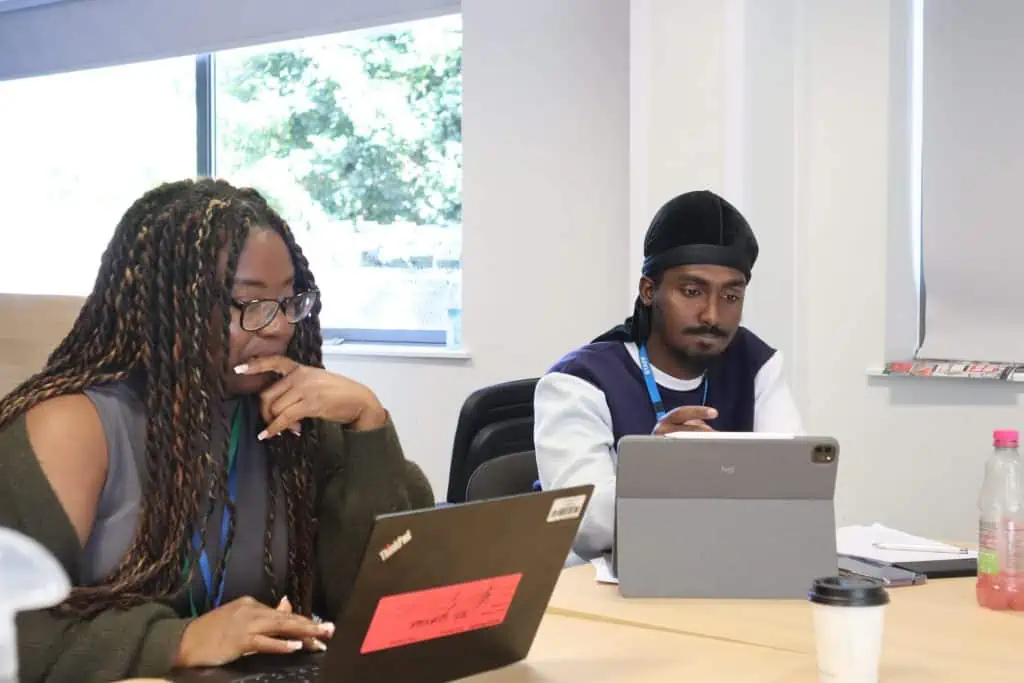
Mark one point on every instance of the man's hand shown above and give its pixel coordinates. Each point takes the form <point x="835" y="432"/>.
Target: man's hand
<point x="242" y="627"/>
<point x="304" y="392"/>
<point x="686" y="419"/>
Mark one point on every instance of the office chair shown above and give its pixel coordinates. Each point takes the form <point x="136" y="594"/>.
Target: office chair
<point x="506" y="475"/>
<point x="494" y="421"/>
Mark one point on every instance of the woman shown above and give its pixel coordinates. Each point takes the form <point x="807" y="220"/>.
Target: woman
<point x="187" y="458"/>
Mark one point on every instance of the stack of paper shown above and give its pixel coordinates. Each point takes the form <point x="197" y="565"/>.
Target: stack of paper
<point x="896" y="546"/>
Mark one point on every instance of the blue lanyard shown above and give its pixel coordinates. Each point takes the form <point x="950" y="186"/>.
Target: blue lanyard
<point x="213" y="600"/>
<point x="652" y="386"/>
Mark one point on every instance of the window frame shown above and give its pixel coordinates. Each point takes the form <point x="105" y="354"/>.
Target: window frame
<point x="206" y="166"/>
<point x="917" y="166"/>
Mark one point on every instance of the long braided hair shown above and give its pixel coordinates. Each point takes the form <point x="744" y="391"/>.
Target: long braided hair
<point x="161" y="310"/>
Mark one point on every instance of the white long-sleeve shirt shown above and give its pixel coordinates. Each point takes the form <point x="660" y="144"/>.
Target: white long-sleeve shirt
<point x="574" y="435"/>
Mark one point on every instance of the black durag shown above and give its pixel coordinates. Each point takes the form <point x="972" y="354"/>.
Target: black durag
<point x="695" y="228"/>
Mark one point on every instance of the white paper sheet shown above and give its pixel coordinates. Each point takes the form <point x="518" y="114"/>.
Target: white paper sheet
<point x="603" y="568"/>
<point x="860" y="541"/>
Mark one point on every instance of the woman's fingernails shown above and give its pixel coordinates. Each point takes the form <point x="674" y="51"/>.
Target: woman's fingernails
<point x="241" y="369"/>
<point x="296" y="430"/>
<point x="320" y="645"/>
<point x="262" y="435"/>
<point x="327" y="628"/>
<point x="294" y="645"/>
<point x="284" y="604"/>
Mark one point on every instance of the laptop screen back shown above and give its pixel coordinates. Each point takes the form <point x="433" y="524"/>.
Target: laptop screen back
<point x="452" y="591"/>
<point x="728" y="516"/>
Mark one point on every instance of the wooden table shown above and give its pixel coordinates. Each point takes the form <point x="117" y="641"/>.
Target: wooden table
<point x="573" y="650"/>
<point x="940" y="619"/>
<point x="934" y="634"/>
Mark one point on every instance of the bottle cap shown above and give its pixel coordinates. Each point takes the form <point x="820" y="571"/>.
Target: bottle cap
<point x="848" y="591"/>
<point x="1005" y="438"/>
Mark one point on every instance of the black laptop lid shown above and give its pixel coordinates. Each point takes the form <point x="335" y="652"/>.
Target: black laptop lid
<point x="452" y="591"/>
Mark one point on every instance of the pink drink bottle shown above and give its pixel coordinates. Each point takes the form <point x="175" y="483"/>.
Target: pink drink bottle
<point x="1001" y="529"/>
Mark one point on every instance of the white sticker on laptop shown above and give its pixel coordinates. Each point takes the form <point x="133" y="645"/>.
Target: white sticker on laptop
<point x="565" y="508"/>
<point x="390" y="549"/>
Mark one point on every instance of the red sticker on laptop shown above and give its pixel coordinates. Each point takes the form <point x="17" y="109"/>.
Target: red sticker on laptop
<point x="438" y="612"/>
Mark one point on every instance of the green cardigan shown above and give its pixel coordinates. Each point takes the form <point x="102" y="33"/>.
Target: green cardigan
<point x="367" y="475"/>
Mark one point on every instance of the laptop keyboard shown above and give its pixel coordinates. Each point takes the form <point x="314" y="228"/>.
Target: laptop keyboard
<point x="305" y="673"/>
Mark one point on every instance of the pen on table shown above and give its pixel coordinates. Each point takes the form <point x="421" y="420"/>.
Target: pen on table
<point x="942" y="550"/>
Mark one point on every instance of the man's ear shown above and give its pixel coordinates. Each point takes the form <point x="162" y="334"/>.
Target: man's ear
<point x="646" y="290"/>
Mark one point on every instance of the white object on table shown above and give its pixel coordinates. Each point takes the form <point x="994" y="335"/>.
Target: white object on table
<point x="31" y="578"/>
<point x="879" y="542"/>
<point x="604" y="572"/>
<point x="848" y="642"/>
<point x="941" y="549"/>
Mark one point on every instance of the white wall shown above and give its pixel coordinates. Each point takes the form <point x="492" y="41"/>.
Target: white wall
<point x="821" y="125"/>
<point x="546" y="105"/>
<point x="913" y="449"/>
<point x="712" y="107"/>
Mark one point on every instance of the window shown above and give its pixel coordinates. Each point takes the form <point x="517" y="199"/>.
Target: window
<point x="967" y="172"/>
<point x="77" y="149"/>
<point x="356" y="138"/>
<point x="916" y="159"/>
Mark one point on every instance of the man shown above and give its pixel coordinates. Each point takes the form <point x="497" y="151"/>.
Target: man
<point x="682" y="362"/>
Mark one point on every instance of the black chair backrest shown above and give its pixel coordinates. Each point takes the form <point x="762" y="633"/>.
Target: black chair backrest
<point x="506" y="475"/>
<point x="494" y="421"/>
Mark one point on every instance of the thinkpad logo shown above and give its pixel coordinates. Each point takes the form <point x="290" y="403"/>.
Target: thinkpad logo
<point x="391" y="548"/>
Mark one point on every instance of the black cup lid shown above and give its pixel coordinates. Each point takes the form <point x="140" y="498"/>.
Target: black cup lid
<point x="848" y="591"/>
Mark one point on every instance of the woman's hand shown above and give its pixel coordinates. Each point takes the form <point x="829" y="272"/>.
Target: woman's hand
<point x="304" y="392"/>
<point x="311" y="644"/>
<point x="244" y="626"/>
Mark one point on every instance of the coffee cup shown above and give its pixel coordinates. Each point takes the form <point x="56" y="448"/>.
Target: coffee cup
<point x="849" y="616"/>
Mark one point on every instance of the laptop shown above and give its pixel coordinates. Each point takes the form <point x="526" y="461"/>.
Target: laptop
<point x="441" y="593"/>
<point x="716" y="515"/>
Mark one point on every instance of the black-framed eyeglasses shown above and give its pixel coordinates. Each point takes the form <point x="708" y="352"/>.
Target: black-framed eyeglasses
<point x="258" y="313"/>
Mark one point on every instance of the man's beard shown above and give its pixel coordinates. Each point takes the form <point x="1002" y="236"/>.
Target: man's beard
<point x="697" y="361"/>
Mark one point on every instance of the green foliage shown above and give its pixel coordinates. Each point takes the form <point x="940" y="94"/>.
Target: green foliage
<point x="358" y="159"/>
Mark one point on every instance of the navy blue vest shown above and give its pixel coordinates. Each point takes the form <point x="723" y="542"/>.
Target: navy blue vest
<point x="609" y="367"/>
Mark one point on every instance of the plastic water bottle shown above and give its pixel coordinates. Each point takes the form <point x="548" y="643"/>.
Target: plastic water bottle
<point x="30" y="578"/>
<point x="1001" y="529"/>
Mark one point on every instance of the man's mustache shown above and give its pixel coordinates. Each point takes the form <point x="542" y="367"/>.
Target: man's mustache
<point x="704" y="330"/>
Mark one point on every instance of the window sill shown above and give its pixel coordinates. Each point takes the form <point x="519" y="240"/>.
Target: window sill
<point x="1010" y="374"/>
<point x="422" y="352"/>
